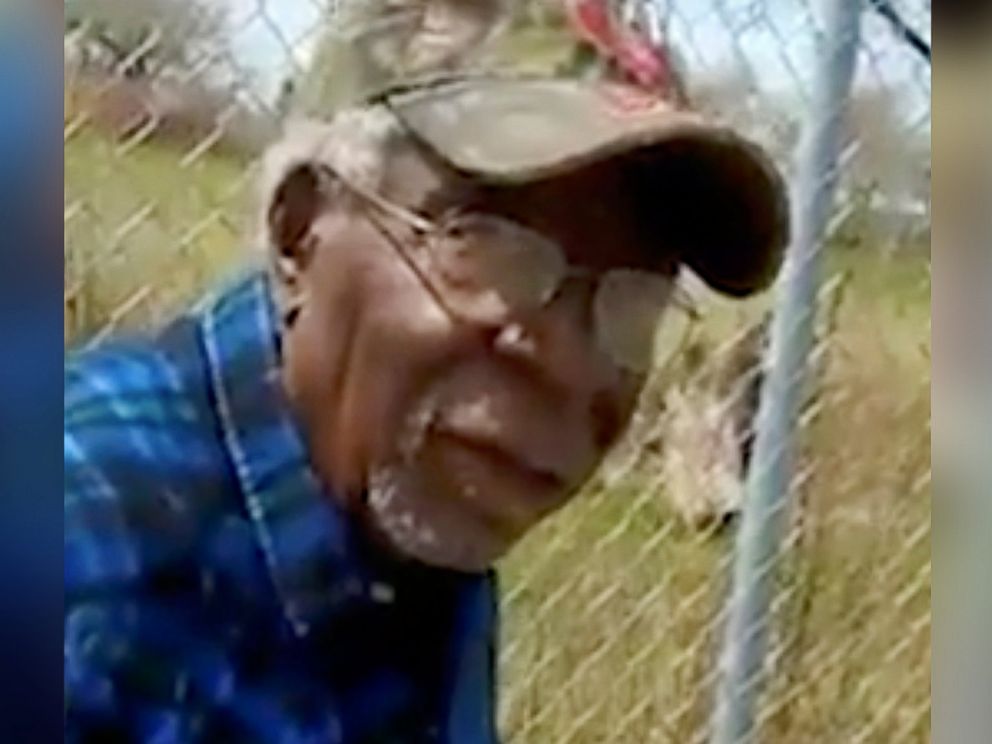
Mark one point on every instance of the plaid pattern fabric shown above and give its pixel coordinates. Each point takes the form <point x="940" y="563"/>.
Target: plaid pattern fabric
<point x="213" y="592"/>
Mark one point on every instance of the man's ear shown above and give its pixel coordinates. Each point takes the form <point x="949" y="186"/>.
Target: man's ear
<point x="295" y="205"/>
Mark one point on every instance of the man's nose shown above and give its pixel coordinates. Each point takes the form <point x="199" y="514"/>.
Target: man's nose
<point x="558" y="345"/>
<point x="558" y="339"/>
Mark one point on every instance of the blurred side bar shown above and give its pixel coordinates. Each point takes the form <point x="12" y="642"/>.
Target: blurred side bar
<point x="962" y="392"/>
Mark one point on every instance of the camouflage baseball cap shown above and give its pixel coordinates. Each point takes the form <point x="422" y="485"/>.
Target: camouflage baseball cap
<point x="710" y="194"/>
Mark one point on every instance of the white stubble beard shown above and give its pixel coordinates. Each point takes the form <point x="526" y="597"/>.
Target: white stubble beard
<point x="398" y="500"/>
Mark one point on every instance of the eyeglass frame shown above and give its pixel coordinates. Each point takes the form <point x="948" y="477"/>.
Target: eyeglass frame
<point x="424" y="226"/>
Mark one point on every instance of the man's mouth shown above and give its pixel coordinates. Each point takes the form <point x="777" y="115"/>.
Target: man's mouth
<point x="464" y="489"/>
<point x="522" y="489"/>
<point x="503" y="458"/>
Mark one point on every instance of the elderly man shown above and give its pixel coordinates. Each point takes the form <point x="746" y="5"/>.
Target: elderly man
<point x="282" y="514"/>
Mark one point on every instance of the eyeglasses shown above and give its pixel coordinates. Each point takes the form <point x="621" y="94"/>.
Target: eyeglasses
<point x="490" y="271"/>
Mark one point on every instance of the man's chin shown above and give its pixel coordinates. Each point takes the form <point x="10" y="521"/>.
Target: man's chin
<point x="467" y="558"/>
<point x="463" y="554"/>
<point x="418" y="526"/>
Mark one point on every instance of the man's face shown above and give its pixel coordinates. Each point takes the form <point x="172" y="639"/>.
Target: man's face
<point x="450" y="439"/>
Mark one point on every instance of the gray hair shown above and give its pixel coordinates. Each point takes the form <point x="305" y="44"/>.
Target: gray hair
<point x="356" y="143"/>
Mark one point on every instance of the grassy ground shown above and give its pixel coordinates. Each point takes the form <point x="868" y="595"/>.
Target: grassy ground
<point x="612" y="611"/>
<point x="145" y="231"/>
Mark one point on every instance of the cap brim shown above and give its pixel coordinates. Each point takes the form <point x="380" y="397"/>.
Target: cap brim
<point x="716" y="196"/>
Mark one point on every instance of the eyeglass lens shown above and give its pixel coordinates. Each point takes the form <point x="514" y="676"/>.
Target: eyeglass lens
<point x="488" y="269"/>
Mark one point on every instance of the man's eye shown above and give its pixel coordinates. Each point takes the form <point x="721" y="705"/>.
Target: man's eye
<point x="455" y="224"/>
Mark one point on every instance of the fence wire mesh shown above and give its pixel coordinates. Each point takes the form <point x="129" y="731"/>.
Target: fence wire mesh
<point x="613" y="610"/>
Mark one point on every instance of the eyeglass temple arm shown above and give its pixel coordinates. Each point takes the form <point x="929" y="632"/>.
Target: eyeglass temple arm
<point x="421" y="224"/>
<point x="416" y="221"/>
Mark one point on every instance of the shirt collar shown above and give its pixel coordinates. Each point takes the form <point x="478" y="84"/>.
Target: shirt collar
<point x="320" y="562"/>
<point x="311" y="547"/>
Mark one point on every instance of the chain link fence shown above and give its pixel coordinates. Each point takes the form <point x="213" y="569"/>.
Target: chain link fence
<point x="616" y="610"/>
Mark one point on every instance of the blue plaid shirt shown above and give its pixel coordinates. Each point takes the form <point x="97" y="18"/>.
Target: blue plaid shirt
<point x="214" y="592"/>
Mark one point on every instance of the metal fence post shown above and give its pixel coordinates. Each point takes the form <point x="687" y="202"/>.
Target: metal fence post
<point x="768" y="485"/>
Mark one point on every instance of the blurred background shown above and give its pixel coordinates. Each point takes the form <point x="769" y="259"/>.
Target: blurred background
<point x="614" y="609"/>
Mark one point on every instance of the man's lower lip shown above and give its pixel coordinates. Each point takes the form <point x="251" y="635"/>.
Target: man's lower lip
<point x="500" y="459"/>
<point x="520" y="499"/>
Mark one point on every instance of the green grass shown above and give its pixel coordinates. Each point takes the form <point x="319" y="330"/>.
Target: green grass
<point x="144" y="231"/>
<point x="611" y="609"/>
